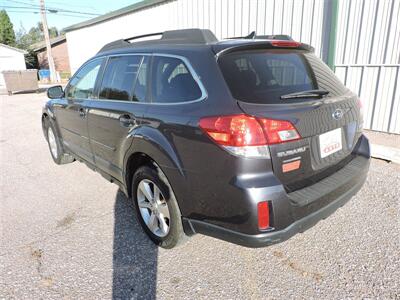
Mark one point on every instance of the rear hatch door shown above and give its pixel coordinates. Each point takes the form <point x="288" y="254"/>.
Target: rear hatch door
<point x="329" y="125"/>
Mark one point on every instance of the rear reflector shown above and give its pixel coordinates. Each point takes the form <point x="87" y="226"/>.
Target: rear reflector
<point x="246" y="135"/>
<point x="263" y="215"/>
<point x="285" y="44"/>
<point x="291" y="166"/>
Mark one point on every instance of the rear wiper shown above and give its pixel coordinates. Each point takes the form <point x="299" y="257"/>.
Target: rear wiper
<point x="306" y="94"/>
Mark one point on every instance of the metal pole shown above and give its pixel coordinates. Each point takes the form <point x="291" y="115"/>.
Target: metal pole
<point x="52" y="68"/>
<point x="329" y="25"/>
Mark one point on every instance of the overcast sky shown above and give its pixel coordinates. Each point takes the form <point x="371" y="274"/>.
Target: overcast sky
<point x="26" y="12"/>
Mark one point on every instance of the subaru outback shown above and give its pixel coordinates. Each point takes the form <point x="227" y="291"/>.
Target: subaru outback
<point x="249" y="140"/>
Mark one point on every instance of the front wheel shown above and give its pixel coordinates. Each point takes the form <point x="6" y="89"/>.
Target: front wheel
<point x="156" y="207"/>
<point x="55" y="147"/>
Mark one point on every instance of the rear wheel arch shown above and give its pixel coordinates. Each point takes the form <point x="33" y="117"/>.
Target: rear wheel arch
<point x="48" y="118"/>
<point x="150" y="147"/>
<point x="134" y="162"/>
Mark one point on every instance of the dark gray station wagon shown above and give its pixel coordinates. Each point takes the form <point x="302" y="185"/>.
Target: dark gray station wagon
<point x="250" y="140"/>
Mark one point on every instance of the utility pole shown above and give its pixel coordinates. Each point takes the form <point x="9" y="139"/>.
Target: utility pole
<point x="52" y="68"/>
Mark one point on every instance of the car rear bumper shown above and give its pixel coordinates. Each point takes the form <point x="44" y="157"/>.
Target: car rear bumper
<point x="298" y="211"/>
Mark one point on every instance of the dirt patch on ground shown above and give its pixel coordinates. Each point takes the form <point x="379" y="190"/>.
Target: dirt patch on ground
<point x="297" y="267"/>
<point x="67" y="220"/>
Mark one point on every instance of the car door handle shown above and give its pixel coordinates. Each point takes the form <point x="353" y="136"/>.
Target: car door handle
<point x="127" y="121"/>
<point x="82" y="112"/>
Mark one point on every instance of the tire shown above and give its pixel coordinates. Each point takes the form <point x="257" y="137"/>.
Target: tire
<point x="55" y="147"/>
<point x="165" y="211"/>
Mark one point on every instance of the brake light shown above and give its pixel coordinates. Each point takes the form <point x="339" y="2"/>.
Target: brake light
<point x="278" y="131"/>
<point x="263" y="215"/>
<point x="359" y="103"/>
<point x="285" y="44"/>
<point x="237" y="130"/>
<point x="246" y="135"/>
<point x="360" y="106"/>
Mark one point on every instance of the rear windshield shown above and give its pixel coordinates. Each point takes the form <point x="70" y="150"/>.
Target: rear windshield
<point x="263" y="76"/>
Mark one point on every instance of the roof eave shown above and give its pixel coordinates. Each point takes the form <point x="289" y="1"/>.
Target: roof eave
<point x="115" y="14"/>
<point x="15" y="49"/>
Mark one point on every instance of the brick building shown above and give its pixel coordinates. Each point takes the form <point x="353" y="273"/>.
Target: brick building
<point x="59" y="52"/>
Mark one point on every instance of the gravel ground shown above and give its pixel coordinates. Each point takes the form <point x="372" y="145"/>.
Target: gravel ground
<point x="67" y="233"/>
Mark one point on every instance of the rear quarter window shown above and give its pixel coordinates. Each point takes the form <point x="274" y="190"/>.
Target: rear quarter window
<point x="172" y="82"/>
<point x="262" y="76"/>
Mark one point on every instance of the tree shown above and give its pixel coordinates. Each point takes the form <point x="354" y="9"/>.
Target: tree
<point x="34" y="35"/>
<point x="25" y="40"/>
<point x="7" y="35"/>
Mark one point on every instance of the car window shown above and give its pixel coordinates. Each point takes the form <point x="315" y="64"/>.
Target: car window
<point x="326" y="79"/>
<point x="82" y="84"/>
<point x="172" y="82"/>
<point x="139" y="92"/>
<point x="261" y="76"/>
<point x="119" y="77"/>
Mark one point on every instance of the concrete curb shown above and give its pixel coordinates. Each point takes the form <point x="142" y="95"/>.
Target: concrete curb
<point x="387" y="153"/>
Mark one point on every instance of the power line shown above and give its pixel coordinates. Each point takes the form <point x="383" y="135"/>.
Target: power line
<point x="48" y="8"/>
<point x="55" y="14"/>
<point x="51" y="10"/>
<point x="59" y="3"/>
<point x="72" y="5"/>
<point x="56" y="3"/>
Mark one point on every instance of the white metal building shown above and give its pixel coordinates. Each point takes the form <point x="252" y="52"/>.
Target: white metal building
<point x="360" y="39"/>
<point x="10" y="59"/>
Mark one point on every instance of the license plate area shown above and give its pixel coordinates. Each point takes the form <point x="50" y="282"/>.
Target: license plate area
<point x="330" y="142"/>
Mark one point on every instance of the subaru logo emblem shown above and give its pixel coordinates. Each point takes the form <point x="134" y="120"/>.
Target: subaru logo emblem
<point x="337" y="114"/>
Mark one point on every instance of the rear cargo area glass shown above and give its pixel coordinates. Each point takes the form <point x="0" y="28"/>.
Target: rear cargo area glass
<point x="263" y="76"/>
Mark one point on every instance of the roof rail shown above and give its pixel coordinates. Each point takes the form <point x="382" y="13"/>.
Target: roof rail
<point x="142" y="36"/>
<point x="253" y="36"/>
<point x="183" y="36"/>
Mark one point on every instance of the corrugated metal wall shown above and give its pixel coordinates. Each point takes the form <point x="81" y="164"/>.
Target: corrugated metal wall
<point x="367" y="49"/>
<point x="368" y="58"/>
<point x="226" y="18"/>
<point x="302" y="19"/>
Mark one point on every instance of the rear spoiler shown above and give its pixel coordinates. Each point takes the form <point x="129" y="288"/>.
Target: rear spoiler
<point x="262" y="44"/>
<point x="254" y="36"/>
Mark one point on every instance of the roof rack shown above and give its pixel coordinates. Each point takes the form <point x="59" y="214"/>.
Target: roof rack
<point x="142" y="36"/>
<point x="183" y="36"/>
<point x="253" y="36"/>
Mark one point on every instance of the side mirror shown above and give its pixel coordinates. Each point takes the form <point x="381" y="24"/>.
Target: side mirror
<point x="55" y="92"/>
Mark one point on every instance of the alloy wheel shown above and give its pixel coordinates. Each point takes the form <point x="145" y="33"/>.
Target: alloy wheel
<point x="153" y="208"/>
<point x="52" y="142"/>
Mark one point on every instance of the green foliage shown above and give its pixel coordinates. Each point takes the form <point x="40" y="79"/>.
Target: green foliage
<point x="34" y="35"/>
<point x="26" y="39"/>
<point x="31" y="60"/>
<point x="7" y="35"/>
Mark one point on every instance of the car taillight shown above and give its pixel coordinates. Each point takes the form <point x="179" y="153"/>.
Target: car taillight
<point x="359" y="103"/>
<point x="263" y="215"/>
<point x="360" y="106"/>
<point x="246" y="135"/>
<point x="285" y="44"/>
<point x="278" y="131"/>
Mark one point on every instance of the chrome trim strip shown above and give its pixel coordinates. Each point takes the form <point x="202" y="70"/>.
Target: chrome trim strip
<point x="110" y="148"/>
<point x="192" y="72"/>
<point x="75" y="133"/>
